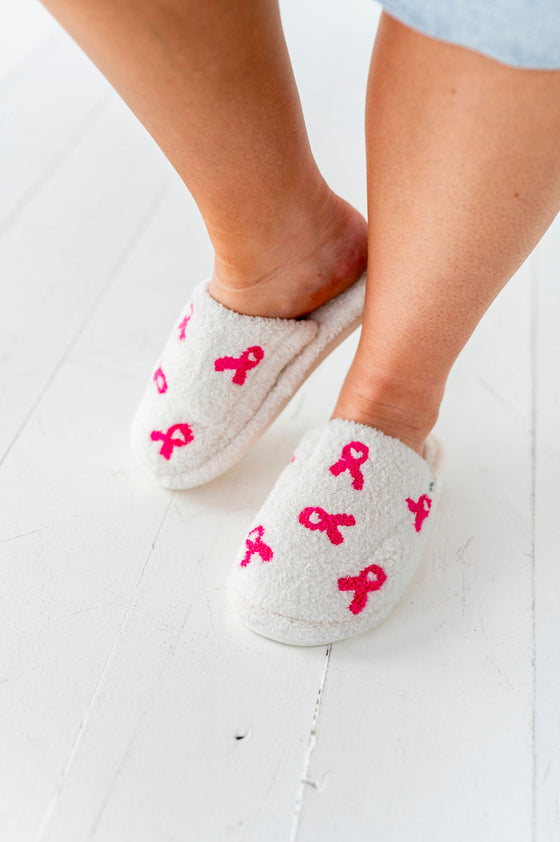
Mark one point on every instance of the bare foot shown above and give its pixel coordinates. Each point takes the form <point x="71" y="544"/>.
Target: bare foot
<point x="314" y="258"/>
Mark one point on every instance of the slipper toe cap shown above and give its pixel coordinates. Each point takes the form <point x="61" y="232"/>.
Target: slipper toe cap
<point x="338" y="540"/>
<point x="211" y="379"/>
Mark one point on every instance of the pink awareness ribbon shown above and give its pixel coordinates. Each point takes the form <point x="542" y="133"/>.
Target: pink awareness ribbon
<point x="256" y="546"/>
<point x="419" y="510"/>
<point x="370" y="579"/>
<point x="186" y="436"/>
<point x="325" y="522"/>
<point x="241" y="365"/>
<point x="184" y="323"/>
<point x="350" y="462"/>
<point x="160" y="381"/>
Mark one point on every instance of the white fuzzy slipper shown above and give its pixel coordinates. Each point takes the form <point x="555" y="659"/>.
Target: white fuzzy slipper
<point x="224" y="377"/>
<point x="340" y="536"/>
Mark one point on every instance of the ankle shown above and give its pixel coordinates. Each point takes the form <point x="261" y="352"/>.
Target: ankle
<point x="316" y="253"/>
<point x="403" y="409"/>
<point x="249" y="244"/>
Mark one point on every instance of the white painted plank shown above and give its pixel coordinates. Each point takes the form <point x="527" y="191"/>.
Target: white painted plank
<point x="64" y="251"/>
<point x="44" y="112"/>
<point x="26" y="27"/>
<point x="78" y="523"/>
<point x="547" y="536"/>
<point x="425" y="730"/>
<point x="161" y="756"/>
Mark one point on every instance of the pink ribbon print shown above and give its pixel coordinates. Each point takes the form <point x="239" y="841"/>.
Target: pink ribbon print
<point x="160" y="381"/>
<point x="351" y="462"/>
<point x="241" y="365"/>
<point x="419" y="510"/>
<point x="256" y="546"/>
<point x="184" y="323"/>
<point x="370" y="579"/>
<point x="184" y="436"/>
<point x="325" y="522"/>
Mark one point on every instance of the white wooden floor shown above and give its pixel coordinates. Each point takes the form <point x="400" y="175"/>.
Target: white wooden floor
<point x="133" y="705"/>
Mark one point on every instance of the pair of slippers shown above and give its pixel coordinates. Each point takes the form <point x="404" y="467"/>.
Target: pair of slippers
<point x="342" y="532"/>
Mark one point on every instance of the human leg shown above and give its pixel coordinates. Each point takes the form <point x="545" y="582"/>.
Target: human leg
<point x="463" y="180"/>
<point x="213" y="84"/>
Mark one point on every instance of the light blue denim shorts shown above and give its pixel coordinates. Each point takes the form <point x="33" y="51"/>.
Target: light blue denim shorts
<point x="523" y="33"/>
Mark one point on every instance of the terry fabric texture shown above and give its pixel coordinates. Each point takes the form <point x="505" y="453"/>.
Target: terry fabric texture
<point x="222" y="379"/>
<point x="301" y="578"/>
<point x="522" y="33"/>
